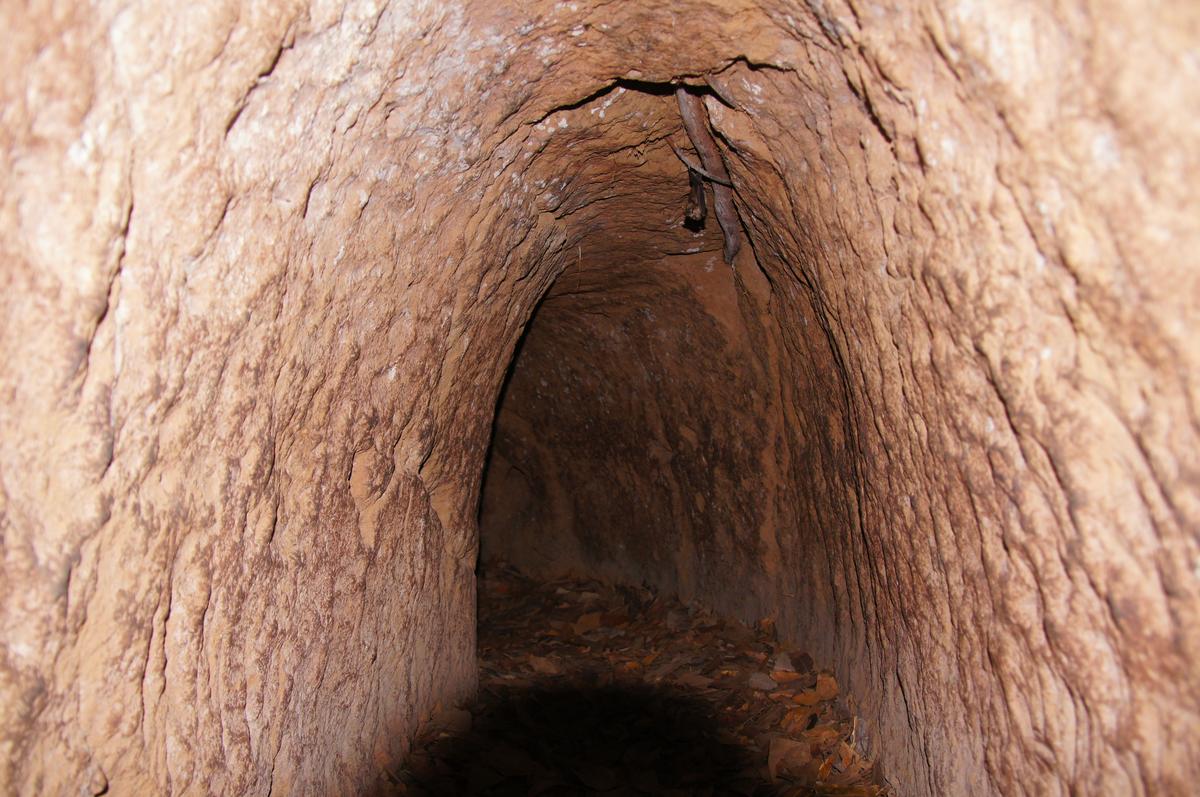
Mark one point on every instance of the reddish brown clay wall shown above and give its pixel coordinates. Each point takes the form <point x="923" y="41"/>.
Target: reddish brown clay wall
<point x="265" y="267"/>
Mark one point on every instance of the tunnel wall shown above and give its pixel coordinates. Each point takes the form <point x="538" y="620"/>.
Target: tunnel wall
<point x="979" y="500"/>
<point x="242" y="422"/>
<point x="265" y="267"/>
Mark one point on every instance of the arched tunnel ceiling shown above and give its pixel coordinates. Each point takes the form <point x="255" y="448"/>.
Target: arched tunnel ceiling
<point x="267" y="266"/>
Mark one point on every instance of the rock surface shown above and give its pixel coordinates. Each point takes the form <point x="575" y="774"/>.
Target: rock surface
<point x="266" y="266"/>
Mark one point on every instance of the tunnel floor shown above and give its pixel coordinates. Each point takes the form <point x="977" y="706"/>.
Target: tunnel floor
<point x="589" y="689"/>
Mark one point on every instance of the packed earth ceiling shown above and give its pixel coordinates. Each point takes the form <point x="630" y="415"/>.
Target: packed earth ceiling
<point x="266" y="267"/>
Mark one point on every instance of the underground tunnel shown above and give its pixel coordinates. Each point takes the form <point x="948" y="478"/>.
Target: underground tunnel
<point x="316" y="315"/>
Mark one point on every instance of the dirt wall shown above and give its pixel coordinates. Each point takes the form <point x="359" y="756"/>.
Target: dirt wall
<point x="265" y="267"/>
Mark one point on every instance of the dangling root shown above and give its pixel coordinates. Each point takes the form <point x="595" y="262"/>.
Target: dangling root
<point x="695" y="122"/>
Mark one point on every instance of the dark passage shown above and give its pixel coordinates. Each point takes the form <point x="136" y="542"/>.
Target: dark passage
<point x="560" y="741"/>
<point x="588" y="689"/>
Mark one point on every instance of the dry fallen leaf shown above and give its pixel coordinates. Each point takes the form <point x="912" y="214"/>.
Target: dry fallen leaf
<point x="786" y="755"/>
<point x="824" y="736"/>
<point x="827" y="688"/>
<point x="762" y="682"/>
<point x="808" y="697"/>
<point x="846" y="754"/>
<point x="797" y="720"/>
<point x="545" y="666"/>
<point x="587" y="622"/>
<point x="694" y="680"/>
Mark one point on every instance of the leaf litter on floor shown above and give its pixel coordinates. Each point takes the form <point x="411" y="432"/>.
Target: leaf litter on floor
<point x="591" y="689"/>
